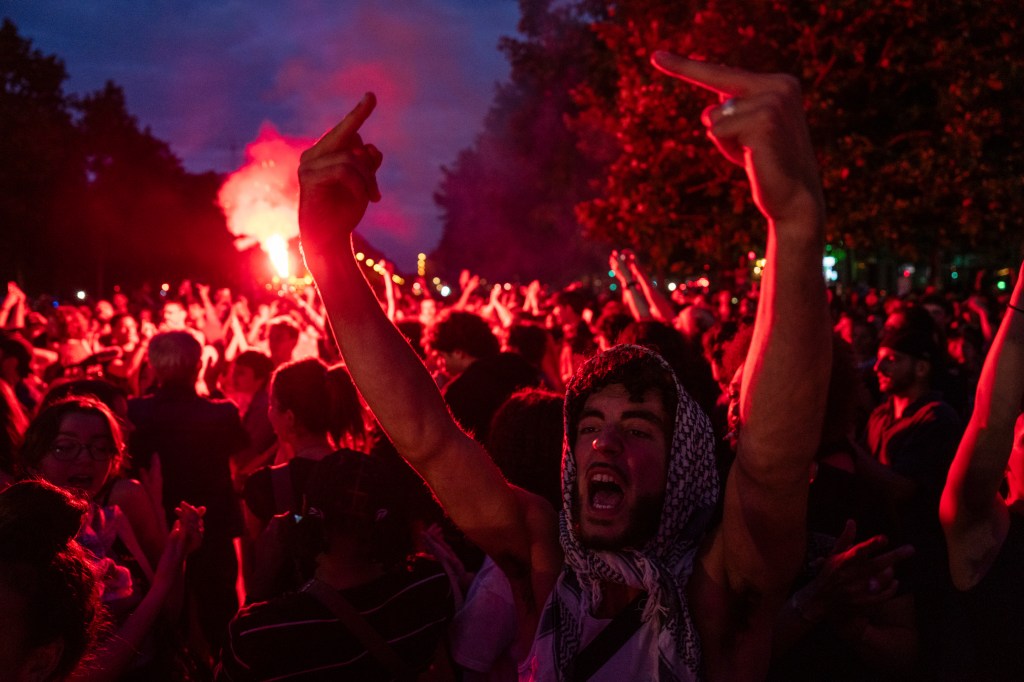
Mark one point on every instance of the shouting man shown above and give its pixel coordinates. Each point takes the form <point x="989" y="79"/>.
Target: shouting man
<point x="633" y="546"/>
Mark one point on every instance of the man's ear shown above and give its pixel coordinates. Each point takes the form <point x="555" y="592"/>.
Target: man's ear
<point x="922" y="369"/>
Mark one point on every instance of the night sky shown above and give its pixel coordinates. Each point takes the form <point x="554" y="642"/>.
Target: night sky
<point x="205" y="75"/>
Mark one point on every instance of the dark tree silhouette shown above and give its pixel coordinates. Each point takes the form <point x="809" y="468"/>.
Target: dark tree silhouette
<point x="36" y="132"/>
<point x="87" y="197"/>
<point x="508" y="200"/>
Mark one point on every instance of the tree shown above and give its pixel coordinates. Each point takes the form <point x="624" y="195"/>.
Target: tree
<point x="87" y="197"/>
<point x="145" y="217"/>
<point x="36" y="132"/>
<point x="911" y="105"/>
<point x="508" y="200"/>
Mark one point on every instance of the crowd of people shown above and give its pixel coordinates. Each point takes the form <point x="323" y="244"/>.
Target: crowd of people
<point x="355" y="481"/>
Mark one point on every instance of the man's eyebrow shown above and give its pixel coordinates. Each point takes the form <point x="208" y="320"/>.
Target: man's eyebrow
<point x="646" y="415"/>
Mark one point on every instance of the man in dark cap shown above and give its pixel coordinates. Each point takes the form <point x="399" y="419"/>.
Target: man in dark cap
<point x="912" y="437"/>
<point x="914" y="417"/>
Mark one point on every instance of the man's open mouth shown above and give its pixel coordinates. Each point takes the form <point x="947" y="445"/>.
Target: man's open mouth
<point x="605" y="492"/>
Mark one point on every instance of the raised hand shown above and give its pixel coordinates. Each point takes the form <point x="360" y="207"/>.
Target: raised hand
<point x="185" y="537"/>
<point x="337" y="180"/>
<point x="190" y="523"/>
<point x="854" y="575"/>
<point x="759" y="125"/>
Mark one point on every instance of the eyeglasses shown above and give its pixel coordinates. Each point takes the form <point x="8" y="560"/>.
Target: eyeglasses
<point x="69" y="450"/>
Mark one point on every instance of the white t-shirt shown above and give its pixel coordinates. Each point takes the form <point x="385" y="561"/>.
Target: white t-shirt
<point x="484" y="629"/>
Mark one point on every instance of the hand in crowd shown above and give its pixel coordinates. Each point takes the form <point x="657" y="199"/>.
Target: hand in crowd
<point x="185" y="290"/>
<point x="759" y="125"/>
<point x="14" y="292"/>
<point x="147" y="330"/>
<point x="853" y="576"/>
<point x="241" y="310"/>
<point x="616" y="264"/>
<point x="338" y="178"/>
<point x="185" y="537"/>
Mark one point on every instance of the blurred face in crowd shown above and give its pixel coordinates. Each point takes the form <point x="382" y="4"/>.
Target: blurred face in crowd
<point x="896" y="371"/>
<point x="174" y="315"/>
<point x="82" y="456"/>
<point x="222" y="302"/>
<point x="197" y="313"/>
<point x="243" y="379"/>
<point x="120" y="302"/>
<point x="938" y="314"/>
<point x="104" y="311"/>
<point x="452" y="364"/>
<point x="621" y="462"/>
<point x="281" y="420"/>
<point x="126" y="332"/>
<point x="281" y="342"/>
<point x="862" y="339"/>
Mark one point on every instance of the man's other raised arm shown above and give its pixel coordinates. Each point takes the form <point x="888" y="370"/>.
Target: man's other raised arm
<point x="337" y="178"/>
<point x="974" y="514"/>
<point x="760" y="125"/>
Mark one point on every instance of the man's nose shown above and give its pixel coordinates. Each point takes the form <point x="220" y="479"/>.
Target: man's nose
<point x="608" y="441"/>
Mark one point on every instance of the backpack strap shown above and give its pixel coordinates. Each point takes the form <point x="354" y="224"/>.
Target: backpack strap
<point x="614" y="635"/>
<point x="358" y="626"/>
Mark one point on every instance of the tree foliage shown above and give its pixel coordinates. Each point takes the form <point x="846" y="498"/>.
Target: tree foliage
<point x="35" y="133"/>
<point x="508" y="200"/>
<point x="912" y="106"/>
<point x="87" y="197"/>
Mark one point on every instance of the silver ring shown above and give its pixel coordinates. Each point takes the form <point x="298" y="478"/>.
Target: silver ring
<point x="728" y="107"/>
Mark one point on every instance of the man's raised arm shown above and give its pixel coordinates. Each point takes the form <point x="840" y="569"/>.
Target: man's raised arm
<point x="337" y="179"/>
<point x="760" y="126"/>
<point x="974" y="514"/>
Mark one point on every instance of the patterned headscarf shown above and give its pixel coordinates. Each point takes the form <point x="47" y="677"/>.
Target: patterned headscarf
<point x="663" y="565"/>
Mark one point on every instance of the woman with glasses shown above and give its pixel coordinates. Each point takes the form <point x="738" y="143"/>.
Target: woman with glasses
<point x="76" y="444"/>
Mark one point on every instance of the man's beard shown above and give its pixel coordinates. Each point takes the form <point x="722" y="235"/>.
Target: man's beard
<point x="644" y="518"/>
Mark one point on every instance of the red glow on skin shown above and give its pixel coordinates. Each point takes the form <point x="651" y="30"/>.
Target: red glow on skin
<point x="260" y="200"/>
